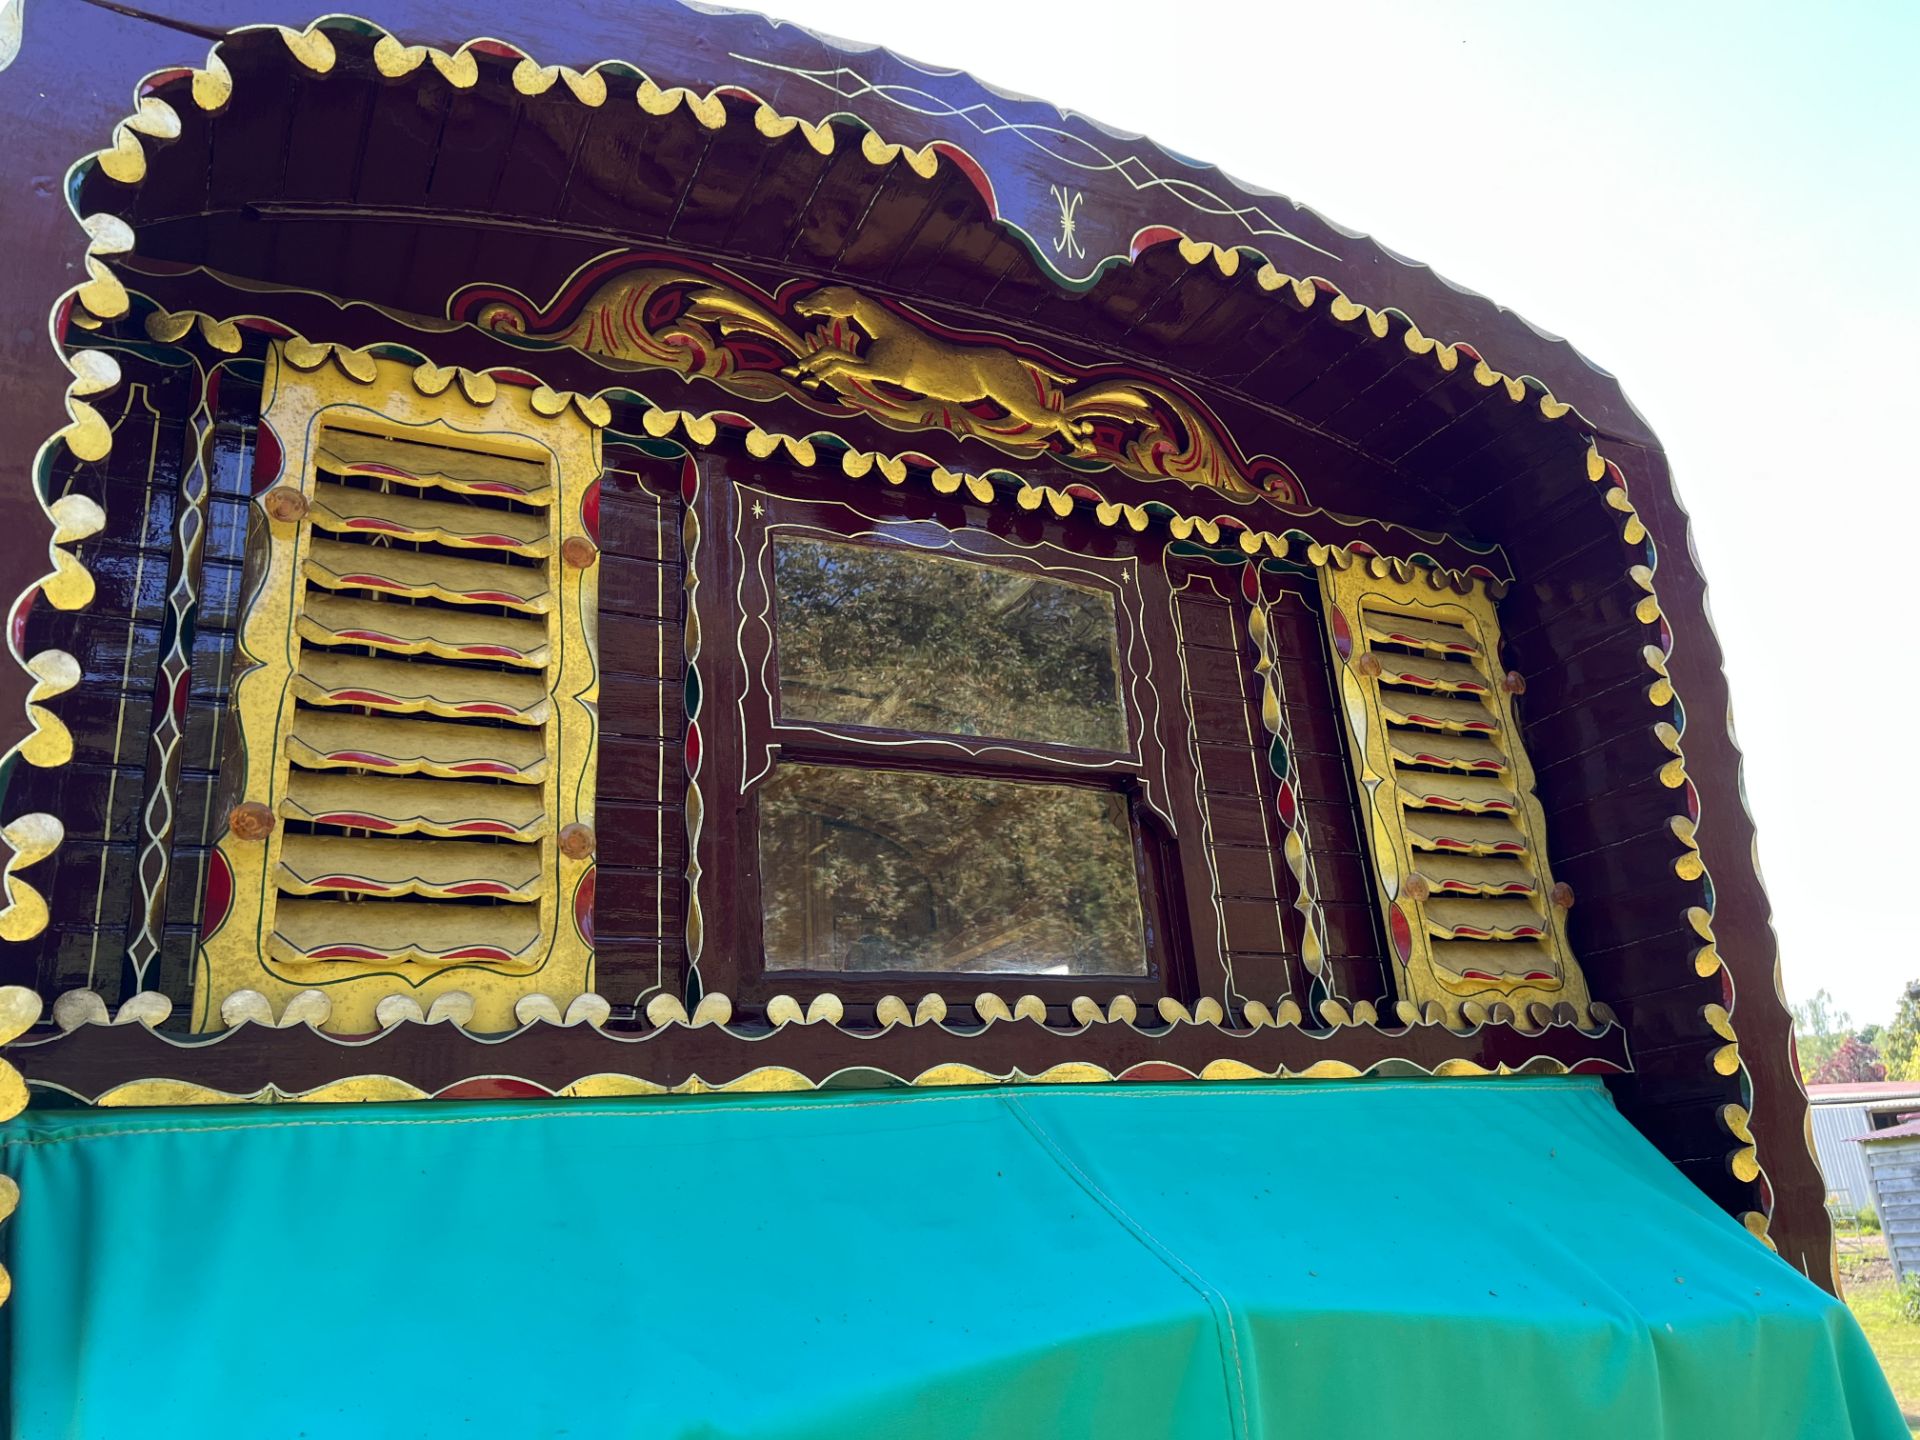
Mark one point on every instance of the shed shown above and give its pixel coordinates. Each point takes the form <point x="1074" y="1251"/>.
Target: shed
<point x="1893" y="1169"/>
<point x="1844" y="1113"/>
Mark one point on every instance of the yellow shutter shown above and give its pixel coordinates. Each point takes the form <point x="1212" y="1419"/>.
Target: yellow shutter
<point x="419" y="723"/>
<point x="1457" y="836"/>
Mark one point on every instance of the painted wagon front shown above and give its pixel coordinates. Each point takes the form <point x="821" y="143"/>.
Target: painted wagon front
<point x="846" y="764"/>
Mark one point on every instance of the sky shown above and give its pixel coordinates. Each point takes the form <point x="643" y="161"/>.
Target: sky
<point x="1720" y="203"/>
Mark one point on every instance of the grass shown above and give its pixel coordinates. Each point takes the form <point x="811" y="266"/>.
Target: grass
<point x="1866" y="1278"/>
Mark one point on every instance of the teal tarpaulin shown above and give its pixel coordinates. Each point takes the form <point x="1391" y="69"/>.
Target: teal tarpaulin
<point x="1367" y="1259"/>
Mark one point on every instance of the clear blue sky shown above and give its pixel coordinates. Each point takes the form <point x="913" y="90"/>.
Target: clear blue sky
<point x="1718" y="202"/>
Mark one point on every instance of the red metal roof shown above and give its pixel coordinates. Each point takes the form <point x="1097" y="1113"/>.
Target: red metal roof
<point x="1906" y="1129"/>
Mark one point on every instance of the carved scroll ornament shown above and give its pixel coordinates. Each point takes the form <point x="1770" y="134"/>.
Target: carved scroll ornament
<point x="840" y="352"/>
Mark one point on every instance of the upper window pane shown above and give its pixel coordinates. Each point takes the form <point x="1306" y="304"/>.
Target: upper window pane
<point x="901" y="640"/>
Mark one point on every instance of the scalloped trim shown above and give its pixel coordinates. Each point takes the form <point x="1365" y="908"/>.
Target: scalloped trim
<point x="19" y="1009"/>
<point x="310" y="1009"/>
<point x="1725" y="1060"/>
<point x="68" y="585"/>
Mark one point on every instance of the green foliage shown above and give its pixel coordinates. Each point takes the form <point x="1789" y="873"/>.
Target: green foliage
<point x="1818" y="1030"/>
<point x="1876" y="1304"/>
<point x="1900" y="1043"/>
<point x="1865" y="1221"/>
<point x="1910" y="1299"/>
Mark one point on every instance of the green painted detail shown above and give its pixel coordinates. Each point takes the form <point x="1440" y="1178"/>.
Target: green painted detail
<point x="1217" y="554"/>
<point x="1272" y="566"/>
<point x="1081" y="464"/>
<point x="1277" y="759"/>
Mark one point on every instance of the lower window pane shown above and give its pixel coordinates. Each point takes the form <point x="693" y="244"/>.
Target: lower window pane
<point x="897" y="870"/>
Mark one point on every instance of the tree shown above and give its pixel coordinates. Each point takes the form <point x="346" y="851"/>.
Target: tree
<point x="1818" y="1030"/>
<point x="1853" y="1062"/>
<point x="1900" y="1045"/>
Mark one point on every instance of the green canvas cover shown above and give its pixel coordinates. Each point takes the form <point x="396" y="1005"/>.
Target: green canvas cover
<point x="1432" y="1258"/>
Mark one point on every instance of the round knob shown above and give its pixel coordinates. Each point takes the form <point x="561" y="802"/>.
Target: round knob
<point x="1368" y="665"/>
<point x="1416" y="888"/>
<point x="578" y="551"/>
<point x="285" y="504"/>
<point x="1562" y="895"/>
<point x="1514" y="683"/>
<point x="576" y="841"/>
<point x="250" y="821"/>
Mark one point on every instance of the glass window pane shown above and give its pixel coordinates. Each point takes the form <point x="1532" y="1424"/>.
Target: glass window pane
<point x="907" y="641"/>
<point x="895" y="870"/>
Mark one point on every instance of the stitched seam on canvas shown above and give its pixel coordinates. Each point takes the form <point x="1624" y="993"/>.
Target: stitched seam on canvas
<point x="1216" y="1303"/>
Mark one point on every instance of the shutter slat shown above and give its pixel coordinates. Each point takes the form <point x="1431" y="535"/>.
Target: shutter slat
<point x="1420" y="790"/>
<point x="445" y="869"/>
<point x="402" y="932"/>
<point x="1456" y="832"/>
<point x="326" y="739"/>
<point x="1521" y="962"/>
<point x="415" y="806"/>
<point x="1474" y="754"/>
<point x="1435" y="637"/>
<point x="418" y="686"/>
<point x="1437" y="712"/>
<point x="1454" y="917"/>
<point x="465" y="472"/>
<point x="345" y="510"/>
<point x="424" y="574"/>
<point x="420" y="630"/>
<point x="1473" y="875"/>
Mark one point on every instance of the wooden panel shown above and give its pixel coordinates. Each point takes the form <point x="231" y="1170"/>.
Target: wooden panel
<point x="639" y="897"/>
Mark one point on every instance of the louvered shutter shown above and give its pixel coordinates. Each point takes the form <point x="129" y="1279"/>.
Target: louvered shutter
<point x="419" y="729"/>
<point x="1475" y="924"/>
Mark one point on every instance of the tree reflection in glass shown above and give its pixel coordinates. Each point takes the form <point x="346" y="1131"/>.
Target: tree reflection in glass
<point x="899" y="640"/>
<point x="895" y="870"/>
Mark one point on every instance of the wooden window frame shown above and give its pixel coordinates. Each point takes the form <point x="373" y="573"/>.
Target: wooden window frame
<point x="745" y="736"/>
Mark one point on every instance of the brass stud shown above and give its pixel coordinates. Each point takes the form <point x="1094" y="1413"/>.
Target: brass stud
<point x="285" y="504"/>
<point x="1562" y="895"/>
<point x="1368" y="665"/>
<point x="1416" y="888"/>
<point x="579" y="552"/>
<point x="1514" y="683"/>
<point x="250" y="821"/>
<point x="576" y="841"/>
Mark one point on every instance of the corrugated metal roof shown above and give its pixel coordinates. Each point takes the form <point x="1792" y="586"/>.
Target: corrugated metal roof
<point x="1872" y="1092"/>
<point x="1908" y="1129"/>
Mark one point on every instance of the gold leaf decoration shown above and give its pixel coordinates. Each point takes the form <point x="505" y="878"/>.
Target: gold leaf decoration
<point x="664" y="1010"/>
<point x="537" y="1006"/>
<point x="244" y="1007"/>
<point x="77" y="1008"/>
<point x="451" y="1007"/>
<point x="29" y="839"/>
<point x="392" y="1010"/>
<point x="147" y="1007"/>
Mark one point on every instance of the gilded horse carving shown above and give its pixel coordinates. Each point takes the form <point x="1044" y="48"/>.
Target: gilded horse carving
<point x="865" y="356"/>
<point x="950" y="375"/>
